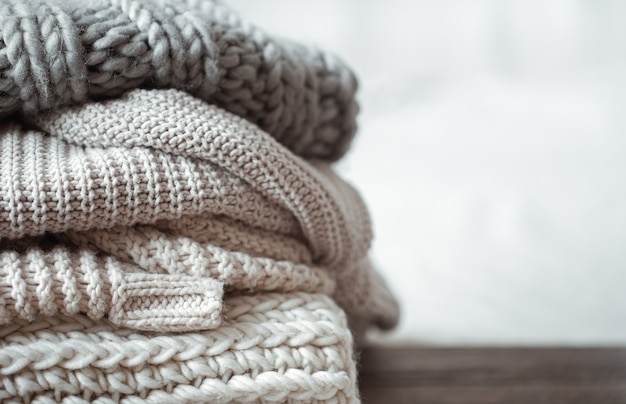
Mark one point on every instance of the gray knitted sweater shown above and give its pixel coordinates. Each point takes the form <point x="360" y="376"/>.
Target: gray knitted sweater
<point x="56" y="52"/>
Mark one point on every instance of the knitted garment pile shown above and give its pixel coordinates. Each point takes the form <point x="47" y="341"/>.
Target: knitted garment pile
<point x="155" y="247"/>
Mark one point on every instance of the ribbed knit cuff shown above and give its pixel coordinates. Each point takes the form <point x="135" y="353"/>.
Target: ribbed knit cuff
<point x="155" y="302"/>
<point x="46" y="283"/>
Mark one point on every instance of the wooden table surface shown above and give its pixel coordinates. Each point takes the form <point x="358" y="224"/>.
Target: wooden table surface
<point x="493" y="375"/>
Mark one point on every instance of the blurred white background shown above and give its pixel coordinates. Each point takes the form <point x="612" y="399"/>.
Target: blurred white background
<point x="490" y="151"/>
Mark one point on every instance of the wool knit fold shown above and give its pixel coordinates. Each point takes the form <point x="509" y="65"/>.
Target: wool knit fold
<point x="60" y="52"/>
<point x="157" y="212"/>
<point x="271" y="348"/>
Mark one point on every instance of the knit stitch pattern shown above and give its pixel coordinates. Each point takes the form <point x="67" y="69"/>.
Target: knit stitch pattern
<point x="59" y="52"/>
<point x="162" y="155"/>
<point x="46" y="283"/>
<point x="157" y="248"/>
<point x="272" y="348"/>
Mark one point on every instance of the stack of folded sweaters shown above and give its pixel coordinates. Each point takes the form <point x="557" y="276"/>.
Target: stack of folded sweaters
<point x="171" y="228"/>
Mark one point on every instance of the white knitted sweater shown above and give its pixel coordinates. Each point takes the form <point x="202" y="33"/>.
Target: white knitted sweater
<point x="137" y="214"/>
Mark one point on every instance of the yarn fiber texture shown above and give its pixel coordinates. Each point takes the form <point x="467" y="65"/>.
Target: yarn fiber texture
<point x="273" y="348"/>
<point x="156" y="248"/>
<point x="60" y="52"/>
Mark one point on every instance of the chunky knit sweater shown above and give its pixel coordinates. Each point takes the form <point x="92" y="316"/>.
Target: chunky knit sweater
<point x="157" y="248"/>
<point x="55" y="52"/>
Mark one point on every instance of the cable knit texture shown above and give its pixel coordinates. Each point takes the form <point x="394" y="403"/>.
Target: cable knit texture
<point x="59" y="52"/>
<point x="292" y="347"/>
<point x="124" y="222"/>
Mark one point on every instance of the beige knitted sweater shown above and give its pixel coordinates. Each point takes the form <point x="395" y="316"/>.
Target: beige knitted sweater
<point x="137" y="214"/>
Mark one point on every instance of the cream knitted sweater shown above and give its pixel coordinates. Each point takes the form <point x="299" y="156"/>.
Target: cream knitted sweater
<point x="138" y="213"/>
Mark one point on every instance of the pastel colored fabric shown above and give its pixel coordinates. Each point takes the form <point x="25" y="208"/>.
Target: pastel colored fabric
<point x="157" y="248"/>
<point x="59" y="52"/>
